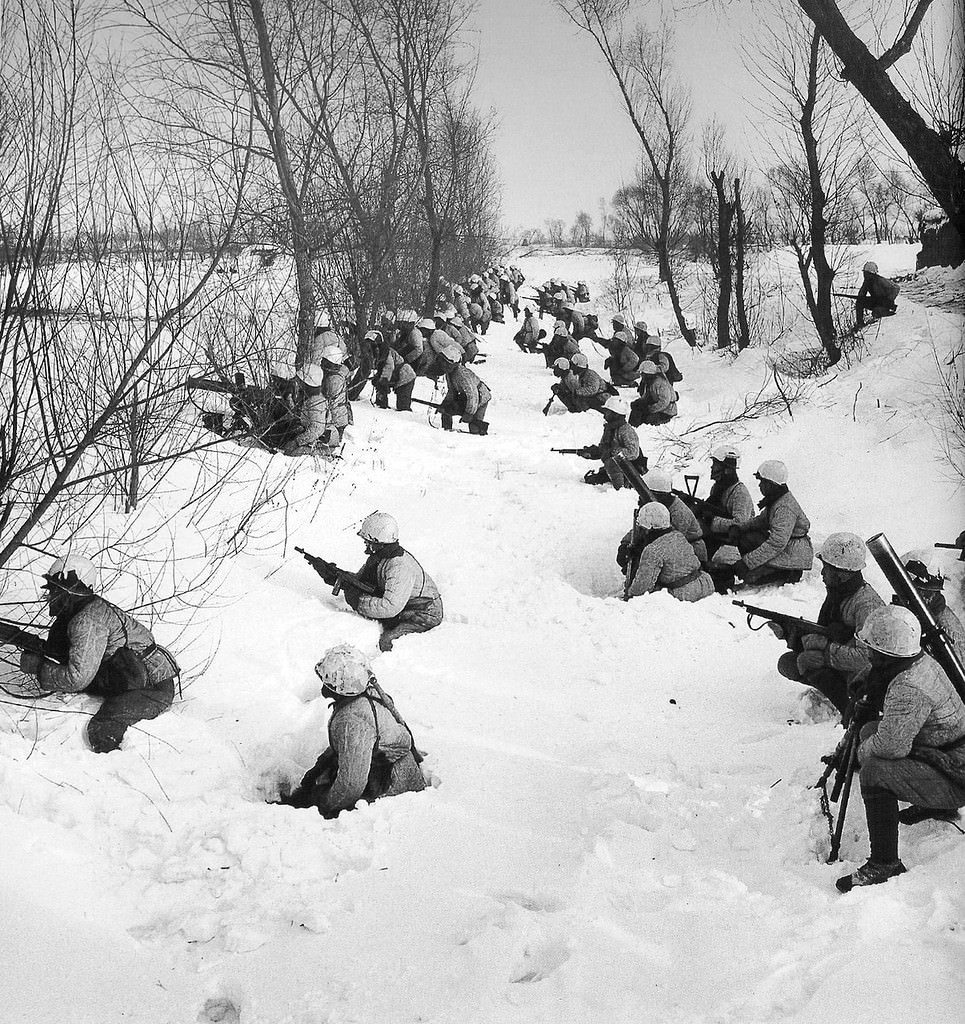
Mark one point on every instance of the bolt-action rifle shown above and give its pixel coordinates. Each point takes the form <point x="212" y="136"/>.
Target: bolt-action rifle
<point x="12" y="635"/>
<point x="571" y="451"/>
<point x="933" y="638"/>
<point x="336" y="578"/>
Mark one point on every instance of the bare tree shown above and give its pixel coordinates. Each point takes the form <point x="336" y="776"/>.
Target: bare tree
<point x="582" y="230"/>
<point x="658" y="106"/>
<point x="555" y="231"/>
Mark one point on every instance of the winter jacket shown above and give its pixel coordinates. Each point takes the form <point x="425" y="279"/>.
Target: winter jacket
<point x="684" y="521"/>
<point x="411" y="345"/>
<point x="588" y="389"/>
<point x="623" y="363"/>
<point x="577" y="324"/>
<point x="95" y="632"/>
<point x="785" y="526"/>
<point x="619" y="438"/>
<point x="400" y="583"/>
<point x="395" y="371"/>
<point x="848" y="612"/>
<point x="373" y="752"/>
<point x="467" y="393"/>
<point x="529" y="333"/>
<point x="668" y="562"/>
<point x="657" y="402"/>
<point x="878" y="291"/>
<point x="736" y="499"/>
<point x="326" y="339"/>
<point x="314" y="414"/>
<point x="921" y="708"/>
<point x="462" y="305"/>
<point x="953" y="628"/>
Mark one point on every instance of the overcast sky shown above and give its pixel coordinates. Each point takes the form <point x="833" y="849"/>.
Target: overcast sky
<point x="563" y="140"/>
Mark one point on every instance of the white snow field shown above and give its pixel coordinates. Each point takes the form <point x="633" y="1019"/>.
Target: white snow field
<point x="620" y="827"/>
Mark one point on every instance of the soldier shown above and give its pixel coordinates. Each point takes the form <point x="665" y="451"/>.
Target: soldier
<point x="480" y="315"/>
<point x="96" y="648"/>
<point x="831" y="663"/>
<point x="622" y="362"/>
<point x="619" y="438"/>
<point x="729" y="494"/>
<point x="319" y="435"/>
<point x="561" y="345"/>
<point x="495" y="307"/>
<point x="371" y="752"/>
<point x="926" y="573"/>
<point x="657" y="403"/>
<point x="528" y="336"/>
<point x="582" y="291"/>
<point x="588" y="388"/>
<point x="393" y="373"/>
<point x="507" y="292"/>
<point x="460" y="302"/>
<point x="660" y="558"/>
<point x="406" y="600"/>
<point x="660" y="483"/>
<point x="915" y="751"/>
<point x="876" y="295"/>
<point x="774" y="545"/>
<point x="467" y="395"/>
<point x="573" y="319"/>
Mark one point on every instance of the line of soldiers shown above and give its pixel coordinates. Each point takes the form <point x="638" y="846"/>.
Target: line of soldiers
<point x="552" y="295"/>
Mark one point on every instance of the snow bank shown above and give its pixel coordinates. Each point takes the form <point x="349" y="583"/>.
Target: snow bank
<point x="620" y="825"/>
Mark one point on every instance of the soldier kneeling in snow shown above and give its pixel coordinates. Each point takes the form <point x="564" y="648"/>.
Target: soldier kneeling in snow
<point x="371" y="751"/>
<point x="654" y="556"/>
<point x="876" y="296"/>
<point x="406" y="600"/>
<point x="915" y="751"/>
<point x="97" y="648"/>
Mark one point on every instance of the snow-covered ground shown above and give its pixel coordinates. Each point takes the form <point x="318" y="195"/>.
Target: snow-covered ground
<point x="620" y="827"/>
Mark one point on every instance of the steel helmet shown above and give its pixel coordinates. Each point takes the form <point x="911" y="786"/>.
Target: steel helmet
<point x="649" y="367"/>
<point x="372" y="336"/>
<point x="560" y="328"/>
<point x="311" y="374"/>
<point x="457" y="321"/>
<point x="772" y="470"/>
<point x="452" y="352"/>
<point x="653" y="516"/>
<point x="924" y="570"/>
<point x="618" y="318"/>
<point x="579" y="360"/>
<point x="619" y="406"/>
<point x="871" y="267"/>
<point x="844" y="551"/>
<point x="333" y="354"/>
<point x="569" y="306"/>
<point x="527" y="311"/>
<point x="659" y="480"/>
<point x="344" y="669"/>
<point x="561" y="364"/>
<point x="379" y="527"/>
<point x="457" y="289"/>
<point x="426" y="323"/>
<point x="640" y="325"/>
<point x="66" y="572"/>
<point x="724" y="452"/>
<point x="892" y="630"/>
<point x="407" y="316"/>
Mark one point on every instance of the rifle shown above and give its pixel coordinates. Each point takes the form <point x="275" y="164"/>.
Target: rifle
<point x="634" y="478"/>
<point x="934" y="639"/>
<point x="336" y="578"/>
<point x="569" y="451"/>
<point x="546" y="408"/>
<point x="792" y="622"/>
<point x="700" y="506"/>
<point x="12" y="635"/>
<point x="432" y="405"/>
<point x="954" y="547"/>
<point x="844" y="295"/>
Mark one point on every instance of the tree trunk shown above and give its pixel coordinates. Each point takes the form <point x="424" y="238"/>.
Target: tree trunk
<point x="821" y="309"/>
<point x="941" y="170"/>
<point x="740" y="248"/>
<point x="665" y="265"/>
<point x="725" y="218"/>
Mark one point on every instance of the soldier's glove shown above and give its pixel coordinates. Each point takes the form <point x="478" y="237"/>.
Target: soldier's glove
<point x="815" y="642"/>
<point x="740" y="567"/>
<point x="733" y="534"/>
<point x="30" y="663"/>
<point x="591" y="451"/>
<point x="777" y="629"/>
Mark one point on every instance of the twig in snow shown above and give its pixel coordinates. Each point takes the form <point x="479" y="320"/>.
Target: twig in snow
<point x="854" y="407"/>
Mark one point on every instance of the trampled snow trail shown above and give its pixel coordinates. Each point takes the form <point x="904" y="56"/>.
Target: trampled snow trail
<point x="620" y="827"/>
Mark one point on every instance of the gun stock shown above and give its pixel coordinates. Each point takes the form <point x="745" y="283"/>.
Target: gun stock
<point x="13" y="636"/>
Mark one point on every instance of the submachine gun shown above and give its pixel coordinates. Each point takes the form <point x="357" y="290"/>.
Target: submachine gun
<point x="13" y="635"/>
<point x="861" y="710"/>
<point x="791" y="624"/>
<point x="336" y="578"/>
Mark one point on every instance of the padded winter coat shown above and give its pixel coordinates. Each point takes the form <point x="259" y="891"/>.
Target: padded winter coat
<point x="588" y="389"/>
<point x="94" y="633"/>
<point x="623" y="364"/>
<point x="921" y="708"/>
<point x="368" y="741"/>
<point x="683" y="519"/>
<point x="395" y="371"/>
<point x="737" y="500"/>
<point x="846" y="656"/>
<point x="577" y="324"/>
<point x="658" y="400"/>
<point x="954" y="629"/>
<point x="619" y="438"/>
<point x="668" y="562"/>
<point x="400" y="583"/>
<point x="314" y="414"/>
<point x="785" y="526"/>
<point x="335" y="392"/>
<point x="529" y="332"/>
<point x="466" y="392"/>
